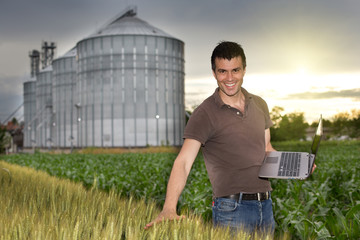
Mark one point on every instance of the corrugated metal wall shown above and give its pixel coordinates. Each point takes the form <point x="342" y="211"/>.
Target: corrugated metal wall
<point x="44" y="114"/>
<point x="120" y="87"/>
<point x="131" y="91"/>
<point x="29" y="113"/>
<point x="64" y="99"/>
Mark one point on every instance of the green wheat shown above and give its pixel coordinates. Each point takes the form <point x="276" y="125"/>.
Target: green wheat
<point x="34" y="205"/>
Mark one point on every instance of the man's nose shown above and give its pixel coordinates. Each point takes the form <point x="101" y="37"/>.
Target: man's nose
<point x="229" y="76"/>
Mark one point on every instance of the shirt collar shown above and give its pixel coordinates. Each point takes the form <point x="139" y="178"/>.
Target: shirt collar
<point x="219" y="102"/>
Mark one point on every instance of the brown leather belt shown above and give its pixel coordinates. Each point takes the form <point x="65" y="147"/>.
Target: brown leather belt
<point x="249" y="196"/>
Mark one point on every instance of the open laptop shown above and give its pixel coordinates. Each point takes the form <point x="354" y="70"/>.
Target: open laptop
<point x="291" y="165"/>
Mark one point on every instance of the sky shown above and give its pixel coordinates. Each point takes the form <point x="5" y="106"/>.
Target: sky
<point x="302" y="55"/>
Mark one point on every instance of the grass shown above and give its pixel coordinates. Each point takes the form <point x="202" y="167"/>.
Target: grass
<point x="34" y="205"/>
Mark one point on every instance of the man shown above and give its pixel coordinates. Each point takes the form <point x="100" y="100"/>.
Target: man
<point x="232" y="128"/>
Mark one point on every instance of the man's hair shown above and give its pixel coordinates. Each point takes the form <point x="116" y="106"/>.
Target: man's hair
<point x="227" y="50"/>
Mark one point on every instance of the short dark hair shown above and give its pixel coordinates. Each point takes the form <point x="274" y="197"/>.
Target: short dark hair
<point x="227" y="50"/>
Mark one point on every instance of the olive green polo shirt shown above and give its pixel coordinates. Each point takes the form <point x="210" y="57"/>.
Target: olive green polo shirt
<point x="233" y="143"/>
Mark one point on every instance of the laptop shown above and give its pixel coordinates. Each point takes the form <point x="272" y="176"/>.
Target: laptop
<point x="292" y="165"/>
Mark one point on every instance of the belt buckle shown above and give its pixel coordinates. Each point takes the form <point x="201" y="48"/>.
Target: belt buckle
<point x="258" y="196"/>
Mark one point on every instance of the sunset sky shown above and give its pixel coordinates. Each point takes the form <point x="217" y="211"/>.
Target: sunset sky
<point x="301" y="55"/>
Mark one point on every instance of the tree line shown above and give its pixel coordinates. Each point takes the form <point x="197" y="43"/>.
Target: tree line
<point x="287" y="127"/>
<point x="292" y="126"/>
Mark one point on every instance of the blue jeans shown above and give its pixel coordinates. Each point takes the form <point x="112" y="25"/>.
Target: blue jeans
<point x="246" y="215"/>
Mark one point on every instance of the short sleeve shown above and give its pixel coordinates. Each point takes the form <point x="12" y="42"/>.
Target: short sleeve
<point x="268" y="122"/>
<point x="264" y="108"/>
<point x="199" y="126"/>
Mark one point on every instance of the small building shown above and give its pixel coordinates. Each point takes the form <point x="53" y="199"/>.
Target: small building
<point x="14" y="136"/>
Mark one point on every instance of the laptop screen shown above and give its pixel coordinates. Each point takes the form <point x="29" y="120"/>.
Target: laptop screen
<point x="317" y="137"/>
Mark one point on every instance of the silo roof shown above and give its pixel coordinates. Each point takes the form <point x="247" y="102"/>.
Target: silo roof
<point x="70" y="53"/>
<point x="30" y="81"/>
<point x="128" y="24"/>
<point x="46" y="69"/>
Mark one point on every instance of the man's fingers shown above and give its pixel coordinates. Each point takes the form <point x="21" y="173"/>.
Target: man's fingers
<point x="313" y="169"/>
<point x="158" y="220"/>
<point x="147" y="226"/>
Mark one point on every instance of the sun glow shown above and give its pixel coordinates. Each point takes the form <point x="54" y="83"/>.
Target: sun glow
<point x="301" y="71"/>
<point x="281" y="90"/>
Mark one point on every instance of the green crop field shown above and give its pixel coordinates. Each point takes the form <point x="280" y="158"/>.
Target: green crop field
<point x="34" y="205"/>
<point x="327" y="205"/>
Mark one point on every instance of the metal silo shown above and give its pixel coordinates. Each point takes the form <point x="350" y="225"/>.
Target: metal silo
<point x="130" y="85"/>
<point x="64" y="80"/>
<point x="44" y="113"/>
<point x="29" y="88"/>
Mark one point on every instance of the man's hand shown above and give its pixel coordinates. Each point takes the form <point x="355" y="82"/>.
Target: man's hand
<point x="163" y="216"/>
<point x="313" y="169"/>
<point x="179" y="173"/>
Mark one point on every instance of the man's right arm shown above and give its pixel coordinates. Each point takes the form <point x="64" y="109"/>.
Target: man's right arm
<point x="179" y="174"/>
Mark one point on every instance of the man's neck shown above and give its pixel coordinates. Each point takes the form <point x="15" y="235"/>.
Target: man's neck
<point x="236" y="101"/>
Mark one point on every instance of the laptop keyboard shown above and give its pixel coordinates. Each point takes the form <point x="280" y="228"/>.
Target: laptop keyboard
<point x="289" y="164"/>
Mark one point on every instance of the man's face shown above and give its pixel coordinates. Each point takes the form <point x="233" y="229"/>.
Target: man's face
<point x="229" y="75"/>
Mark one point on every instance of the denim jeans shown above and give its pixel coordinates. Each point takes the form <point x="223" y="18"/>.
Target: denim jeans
<point x="249" y="215"/>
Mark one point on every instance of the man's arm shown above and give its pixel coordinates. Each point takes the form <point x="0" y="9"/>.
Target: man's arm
<point x="179" y="174"/>
<point x="268" y="146"/>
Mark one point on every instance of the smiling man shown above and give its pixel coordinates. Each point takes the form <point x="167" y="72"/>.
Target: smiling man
<point x="232" y="129"/>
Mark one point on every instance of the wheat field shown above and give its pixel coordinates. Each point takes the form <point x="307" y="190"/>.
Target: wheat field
<point x="34" y="205"/>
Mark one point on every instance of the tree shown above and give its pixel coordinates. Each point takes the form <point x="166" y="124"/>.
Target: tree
<point x="291" y="126"/>
<point x="14" y="121"/>
<point x="345" y="123"/>
<point x="275" y="115"/>
<point x="4" y="139"/>
<point x="326" y="124"/>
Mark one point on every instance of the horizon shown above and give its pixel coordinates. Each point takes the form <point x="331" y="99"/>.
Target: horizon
<point x="291" y="98"/>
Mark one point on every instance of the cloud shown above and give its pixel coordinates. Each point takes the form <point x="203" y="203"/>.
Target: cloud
<point x="348" y="93"/>
<point x="11" y="84"/>
<point x="11" y="95"/>
<point x="278" y="36"/>
<point x="9" y="102"/>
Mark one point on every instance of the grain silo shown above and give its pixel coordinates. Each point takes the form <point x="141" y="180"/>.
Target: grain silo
<point x="44" y="113"/>
<point x="130" y="85"/>
<point x="64" y="99"/>
<point x="29" y="88"/>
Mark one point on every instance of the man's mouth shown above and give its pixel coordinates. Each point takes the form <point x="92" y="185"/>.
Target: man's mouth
<point x="229" y="84"/>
